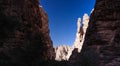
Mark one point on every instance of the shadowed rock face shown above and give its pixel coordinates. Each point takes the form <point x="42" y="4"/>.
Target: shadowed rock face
<point x="24" y="33"/>
<point x="25" y="41"/>
<point x="103" y="34"/>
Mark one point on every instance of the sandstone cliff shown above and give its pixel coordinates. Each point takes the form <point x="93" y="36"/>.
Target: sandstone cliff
<point x="102" y="41"/>
<point x="24" y="33"/>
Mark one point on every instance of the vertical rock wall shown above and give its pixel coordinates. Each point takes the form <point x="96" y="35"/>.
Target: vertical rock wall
<point x="24" y="33"/>
<point x="102" y="41"/>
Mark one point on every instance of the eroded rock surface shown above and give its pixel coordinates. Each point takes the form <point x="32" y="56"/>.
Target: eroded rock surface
<point x="82" y="25"/>
<point x="24" y="33"/>
<point x="102" y="39"/>
<point x="64" y="52"/>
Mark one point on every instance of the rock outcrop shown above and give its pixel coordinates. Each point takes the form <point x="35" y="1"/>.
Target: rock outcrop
<point x="102" y="42"/>
<point x="81" y="31"/>
<point x="80" y="35"/>
<point x="64" y="52"/>
<point x="24" y="33"/>
<point x="78" y="39"/>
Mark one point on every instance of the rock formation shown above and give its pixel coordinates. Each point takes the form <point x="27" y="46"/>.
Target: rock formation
<point x="78" y="39"/>
<point x="77" y="46"/>
<point x="102" y="42"/>
<point x="24" y="33"/>
<point x="64" y="52"/>
<point x="81" y="30"/>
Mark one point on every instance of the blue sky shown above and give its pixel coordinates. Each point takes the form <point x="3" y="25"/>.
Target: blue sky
<point x="63" y="15"/>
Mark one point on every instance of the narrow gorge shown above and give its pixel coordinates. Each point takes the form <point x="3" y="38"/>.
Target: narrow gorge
<point x="25" y="39"/>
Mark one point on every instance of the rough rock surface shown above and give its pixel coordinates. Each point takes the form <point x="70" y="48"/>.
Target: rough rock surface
<point x="24" y="33"/>
<point x="63" y="53"/>
<point x="102" y="41"/>
<point x="82" y="25"/>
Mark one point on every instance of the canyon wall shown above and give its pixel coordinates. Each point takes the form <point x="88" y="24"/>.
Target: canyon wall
<point x="102" y="42"/>
<point x="25" y="40"/>
<point x="24" y="33"/>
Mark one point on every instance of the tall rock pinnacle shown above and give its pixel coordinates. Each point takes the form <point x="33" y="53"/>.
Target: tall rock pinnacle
<point x="85" y="22"/>
<point x="77" y="43"/>
<point x="78" y="24"/>
<point x="64" y="52"/>
<point x="81" y="30"/>
<point x="79" y="38"/>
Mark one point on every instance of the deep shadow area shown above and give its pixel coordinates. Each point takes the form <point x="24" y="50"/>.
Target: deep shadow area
<point x="25" y="40"/>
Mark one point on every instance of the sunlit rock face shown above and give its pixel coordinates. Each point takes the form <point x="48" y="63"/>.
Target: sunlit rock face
<point x="81" y="30"/>
<point x="85" y="22"/>
<point x="77" y="43"/>
<point x="24" y="33"/>
<point x="62" y="53"/>
<point x="102" y="41"/>
<point x="79" y="38"/>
